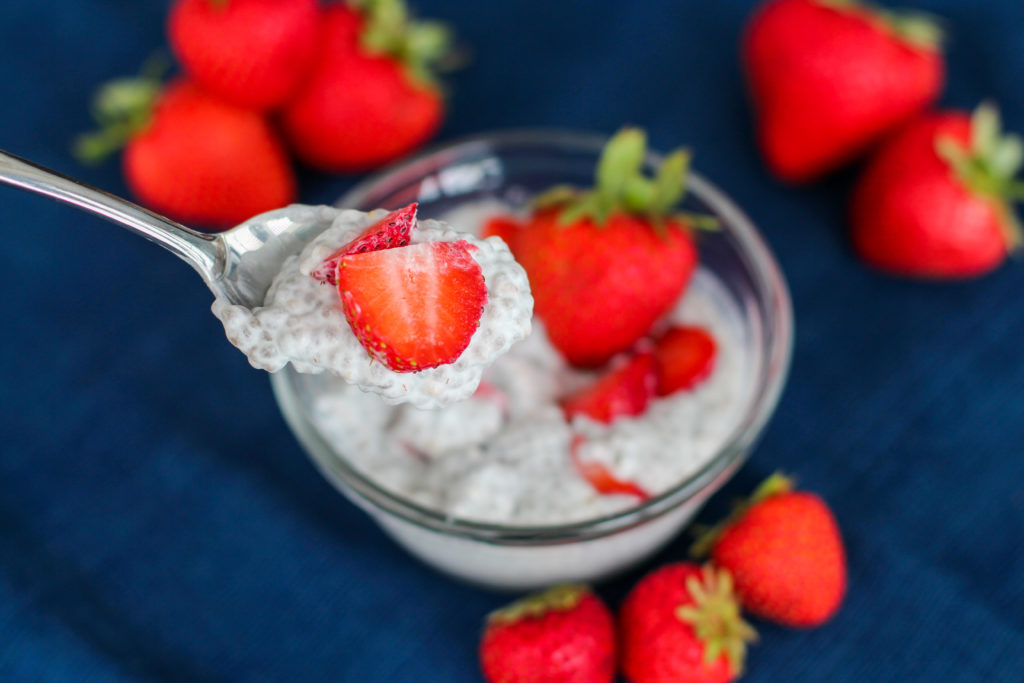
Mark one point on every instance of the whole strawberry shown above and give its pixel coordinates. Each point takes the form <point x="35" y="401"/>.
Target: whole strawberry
<point x="785" y="553"/>
<point x="682" y="623"/>
<point x="606" y="264"/>
<point x="189" y="155"/>
<point x="371" y="96"/>
<point x="935" y="202"/>
<point x="252" y="53"/>
<point x="829" y="77"/>
<point x="564" y="635"/>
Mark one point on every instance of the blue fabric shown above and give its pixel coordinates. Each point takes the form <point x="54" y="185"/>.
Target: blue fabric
<point x="158" y="522"/>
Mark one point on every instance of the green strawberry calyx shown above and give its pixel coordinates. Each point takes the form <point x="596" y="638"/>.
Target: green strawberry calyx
<point x="989" y="166"/>
<point x="121" y="108"/>
<point x="620" y="185"/>
<point x="716" y="618"/>
<point x="560" y="598"/>
<point x="918" y="29"/>
<point x="776" y="484"/>
<point x="423" y="47"/>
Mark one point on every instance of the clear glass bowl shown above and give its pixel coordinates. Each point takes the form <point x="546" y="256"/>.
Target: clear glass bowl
<point x="512" y="167"/>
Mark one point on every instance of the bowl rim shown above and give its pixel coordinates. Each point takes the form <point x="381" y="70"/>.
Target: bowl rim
<point x="773" y="298"/>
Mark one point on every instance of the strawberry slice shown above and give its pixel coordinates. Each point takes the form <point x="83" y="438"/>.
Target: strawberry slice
<point x="414" y="307"/>
<point x="623" y="391"/>
<point x="685" y="357"/>
<point x="505" y="227"/>
<point x="394" y="230"/>
<point x="600" y="477"/>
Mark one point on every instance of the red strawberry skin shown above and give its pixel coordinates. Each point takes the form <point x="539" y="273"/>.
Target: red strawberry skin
<point x="253" y="53"/>
<point x="787" y="559"/>
<point x="826" y="83"/>
<point x="910" y="215"/>
<point x="205" y="162"/>
<point x="656" y="646"/>
<point x="560" y="646"/>
<point x="413" y="307"/>
<point x="598" y="289"/>
<point x="600" y="477"/>
<point x="685" y="357"/>
<point x="394" y="230"/>
<point x="357" y="111"/>
<point x="623" y="391"/>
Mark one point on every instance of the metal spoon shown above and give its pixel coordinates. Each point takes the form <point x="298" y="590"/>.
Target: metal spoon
<point x="238" y="264"/>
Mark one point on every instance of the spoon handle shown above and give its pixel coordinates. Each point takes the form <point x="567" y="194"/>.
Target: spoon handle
<point x="203" y="252"/>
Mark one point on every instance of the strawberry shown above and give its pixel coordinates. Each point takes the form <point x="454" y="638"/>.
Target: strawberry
<point x="785" y="553"/>
<point x="563" y="635"/>
<point x="252" y="53"/>
<point x="685" y="357"/>
<point x="600" y="477"/>
<point x="682" y="623"/>
<point x="622" y="391"/>
<point x="935" y="201"/>
<point x="371" y="97"/>
<point x="413" y="307"/>
<point x="829" y="77"/>
<point x="191" y="156"/>
<point x="605" y="264"/>
<point x="394" y="230"/>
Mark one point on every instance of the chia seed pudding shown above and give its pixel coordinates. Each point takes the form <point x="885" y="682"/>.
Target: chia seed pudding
<point x="502" y="455"/>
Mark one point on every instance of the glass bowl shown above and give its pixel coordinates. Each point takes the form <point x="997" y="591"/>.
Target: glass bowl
<point x="512" y="167"/>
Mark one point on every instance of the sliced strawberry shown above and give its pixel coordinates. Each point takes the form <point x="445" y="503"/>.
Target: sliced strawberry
<point x="600" y="477"/>
<point x="623" y="391"/>
<point x="394" y="230"/>
<point x="414" y="307"/>
<point x="685" y="357"/>
<point x="505" y="227"/>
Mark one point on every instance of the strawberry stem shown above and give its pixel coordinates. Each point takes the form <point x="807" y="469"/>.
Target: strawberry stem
<point x="918" y="29"/>
<point x="423" y="47"/>
<point x="716" y="618"/>
<point x="560" y="598"/>
<point x="121" y="108"/>
<point x="620" y="185"/>
<point x="988" y="166"/>
<point x="775" y="484"/>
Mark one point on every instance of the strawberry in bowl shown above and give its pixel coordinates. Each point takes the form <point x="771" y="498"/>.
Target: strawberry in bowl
<point x="591" y="442"/>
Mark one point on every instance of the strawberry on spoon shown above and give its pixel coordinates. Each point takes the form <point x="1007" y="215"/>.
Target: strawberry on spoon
<point x="413" y="307"/>
<point x="394" y="230"/>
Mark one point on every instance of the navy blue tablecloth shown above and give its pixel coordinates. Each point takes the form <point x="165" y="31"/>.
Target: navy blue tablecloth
<point x="159" y="522"/>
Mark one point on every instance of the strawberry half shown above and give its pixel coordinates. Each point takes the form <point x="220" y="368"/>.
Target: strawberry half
<point x="413" y="307"/>
<point x="600" y="477"/>
<point x="394" y="230"/>
<point x="686" y="357"/>
<point x="624" y="391"/>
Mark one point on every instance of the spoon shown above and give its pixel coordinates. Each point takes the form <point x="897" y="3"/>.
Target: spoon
<point x="238" y="264"/>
